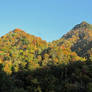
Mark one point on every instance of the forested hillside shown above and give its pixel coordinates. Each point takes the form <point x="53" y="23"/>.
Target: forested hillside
<point x="30" y="64"/>
<point x="79" y="40"/>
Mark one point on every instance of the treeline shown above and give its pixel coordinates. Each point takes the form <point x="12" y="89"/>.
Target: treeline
<point x="73" y="77"/>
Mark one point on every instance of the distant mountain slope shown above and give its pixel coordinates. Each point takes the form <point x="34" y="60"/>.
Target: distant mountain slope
<point x="21" y="48"/>
<point x="79" y="39"/>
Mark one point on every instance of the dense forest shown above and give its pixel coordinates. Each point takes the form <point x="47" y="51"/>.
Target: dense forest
<point x="30" y="64"/>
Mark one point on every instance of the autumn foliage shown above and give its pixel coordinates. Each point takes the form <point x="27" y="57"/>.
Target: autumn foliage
<point x="31" y="64"/>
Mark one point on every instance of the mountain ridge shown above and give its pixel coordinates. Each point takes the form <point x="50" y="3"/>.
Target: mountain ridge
<point x="83" y="24"/>
<point x="69" y="47"/>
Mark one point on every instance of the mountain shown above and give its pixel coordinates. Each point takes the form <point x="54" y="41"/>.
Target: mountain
<point x="20" y="48"/>
<point x="30" y="64"/>
<point x="25" y="50"/>
<point x="79" y="40"/>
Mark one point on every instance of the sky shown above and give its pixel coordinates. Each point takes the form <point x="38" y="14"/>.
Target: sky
<point x="48" y="19"/>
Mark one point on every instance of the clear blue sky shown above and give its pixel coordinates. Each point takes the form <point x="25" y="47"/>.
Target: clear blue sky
<point x="48" y="19"/>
